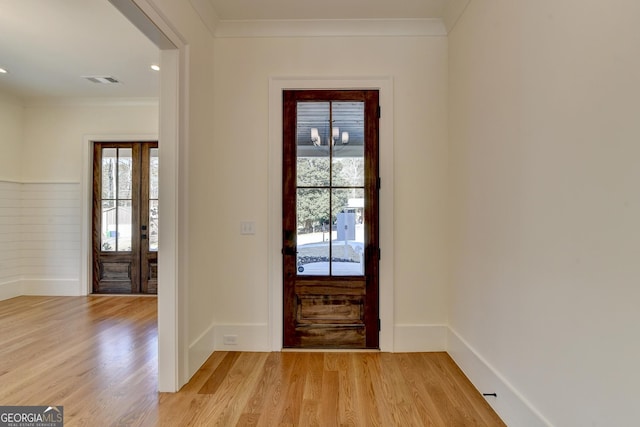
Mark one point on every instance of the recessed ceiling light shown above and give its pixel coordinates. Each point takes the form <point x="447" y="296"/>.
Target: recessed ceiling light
<point x="3" y="71"/>
<point x="155" y="67"/>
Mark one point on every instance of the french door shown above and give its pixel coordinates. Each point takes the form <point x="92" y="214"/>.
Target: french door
<point x="125" y="217"/>
<point x="330" y="218"/>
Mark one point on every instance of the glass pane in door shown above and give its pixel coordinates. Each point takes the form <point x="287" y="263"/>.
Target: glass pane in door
<point x="313" y="172"/>
<point x="109" y="172"/>
<point x="314" y="232"/>
<point x="347" y="244"/>
<point x="125" y="170"/>
<point x="153" y="225"/>
<point x="153" y="173"/>
<point x="153" y="199"/>
<point x="312" y="144"/>
<point x="348" y="150"/>
<point x="330" y="177"/>
<point x="116" y="170"/>
<point x="109" y="230"/>
<point x="124" y="226"/>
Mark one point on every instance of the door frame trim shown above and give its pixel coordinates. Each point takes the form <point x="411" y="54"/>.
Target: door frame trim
<point x="275" y="279"/>
<point x="173" y="351"/>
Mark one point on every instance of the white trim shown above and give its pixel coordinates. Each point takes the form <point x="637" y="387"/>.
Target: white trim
<point x="452" y="12"/>
<point x="251" y="337"/>
<point x="510" y="404"/>
<point x="51" y="287"/>
<point x="420" y="338"/>
<point x="48" y="287"/>
<point x="276" y="86"/>
<point x="173" y="352"/>
<point x="207" y="14"/>
<point x="148" y="19"/>
<point x="90" y="102"/>
<point x="201" y="348"/>
<point x="10" y="290"/>
<point x="331" y="28"/>
<point x="42" y="182"/>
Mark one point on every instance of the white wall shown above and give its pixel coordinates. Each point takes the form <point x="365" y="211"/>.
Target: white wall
<point x="243" y="67"/>
<point x="55" y="131"/>
<point x="10" y="259"/>
<point x="544" y="134"/>
<point x="11" y="119"/>
<point x="195" y="188"/>
<point x="41" y="212"/>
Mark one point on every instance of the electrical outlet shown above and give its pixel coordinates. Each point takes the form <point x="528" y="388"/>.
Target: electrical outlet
<point x="230" y="339"/>
<point x="247" y="227"/>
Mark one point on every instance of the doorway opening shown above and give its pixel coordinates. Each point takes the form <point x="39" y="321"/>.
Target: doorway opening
<point x="125" y="217"/>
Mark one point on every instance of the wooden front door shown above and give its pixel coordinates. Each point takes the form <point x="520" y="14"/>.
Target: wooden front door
<point x="125" y="217"/>
<point x="330" y="218"/>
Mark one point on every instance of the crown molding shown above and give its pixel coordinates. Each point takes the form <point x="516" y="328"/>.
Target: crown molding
<point x="331" y="28"/>
<point x="207" y="14"/>
<point x="90" y="102"/>
<point x="453" y="10"/>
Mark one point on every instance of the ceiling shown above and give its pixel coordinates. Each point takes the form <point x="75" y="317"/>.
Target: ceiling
<point x="49" y="46"/>
<point x="327" y="9"/>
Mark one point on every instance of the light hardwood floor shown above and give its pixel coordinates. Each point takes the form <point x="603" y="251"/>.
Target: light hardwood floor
<point x="97" y="356"/>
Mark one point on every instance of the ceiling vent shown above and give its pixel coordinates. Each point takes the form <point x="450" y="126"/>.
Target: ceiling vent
<point x="102" y="79"/>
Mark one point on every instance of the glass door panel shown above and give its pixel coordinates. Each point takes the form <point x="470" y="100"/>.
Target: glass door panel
<point x="117" y="168"/>
<point x="153" y="199"/>
<point x="347" y="243"/>
<point x="314" y="231"/>
<point x="125" y="217"/>
<point x="348" y="152"/>
<point x="330" y="179"/>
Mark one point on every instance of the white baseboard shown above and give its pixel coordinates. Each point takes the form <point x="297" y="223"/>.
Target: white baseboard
<point x="10" y="290"/>
<point x="248" y="337"/>
<point x="201" y="349"/>
<point x="68" y="287"/>
<point x="420" y="338"/>
<point x="17" y="288"/>
<point x="509" y="404"/>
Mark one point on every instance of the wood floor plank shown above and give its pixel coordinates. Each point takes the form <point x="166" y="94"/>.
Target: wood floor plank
<point x="330" y="402"/>
<point x="426" y="408"/>
<point x="220" y="374"/>
<point x="262" y="395"/>
<point x="97" y="356"/>
<point x="369" y="414"/>
<point x="204" y="373"/>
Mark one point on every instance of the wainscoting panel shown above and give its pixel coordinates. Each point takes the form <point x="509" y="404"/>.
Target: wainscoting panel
<point x="51" y="235"/>
<point x="40" y="239"/>
<point x="10" y="239"/>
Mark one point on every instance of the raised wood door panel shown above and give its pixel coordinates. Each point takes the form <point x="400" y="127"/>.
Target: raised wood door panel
<point x="330" y="219"/>
<point x="123" y="262"/>
<point x="330" y="313"/>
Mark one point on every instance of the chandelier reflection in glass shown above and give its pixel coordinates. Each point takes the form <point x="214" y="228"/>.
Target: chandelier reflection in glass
<point x="316" y="139"/>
